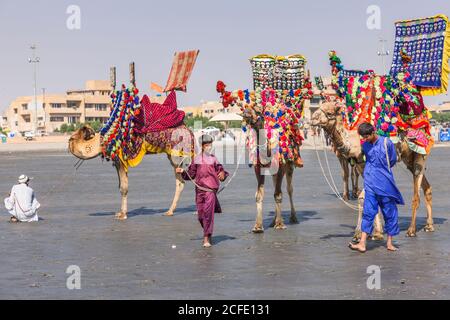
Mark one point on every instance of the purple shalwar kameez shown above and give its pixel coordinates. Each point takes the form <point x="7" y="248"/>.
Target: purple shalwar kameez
<point x="204" y="171"/>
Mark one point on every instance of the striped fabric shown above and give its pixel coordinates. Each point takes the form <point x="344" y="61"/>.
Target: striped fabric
<point x="182" y="66"/>
<point x="157" y="117"/>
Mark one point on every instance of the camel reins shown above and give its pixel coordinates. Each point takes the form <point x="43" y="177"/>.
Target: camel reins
<point x="65" y="179"/>
<point x="211" y="190"/>
<point x="331" y="184"/>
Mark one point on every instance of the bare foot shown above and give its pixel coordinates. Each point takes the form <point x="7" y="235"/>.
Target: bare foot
<point x="13" y="220"/>
<point x="206" y="245"/>
<point x="391" y="247"/>
<point x="207" y="242"/>
<point x="168" y="214"/>
<point x="357" y="247"/>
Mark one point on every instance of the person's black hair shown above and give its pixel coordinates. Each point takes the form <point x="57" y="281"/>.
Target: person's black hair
<point x="365" y="129"/>
<point x="205" y="139"/>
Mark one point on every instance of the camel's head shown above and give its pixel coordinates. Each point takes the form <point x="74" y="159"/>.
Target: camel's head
<point x="85" y="143"/>
<point x="326" y="115"/>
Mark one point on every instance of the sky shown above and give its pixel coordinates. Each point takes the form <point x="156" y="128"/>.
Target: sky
<point x="227" y="33"/>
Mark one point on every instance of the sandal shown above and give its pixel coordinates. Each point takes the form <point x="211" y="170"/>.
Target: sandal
<point x="13" y="220"/>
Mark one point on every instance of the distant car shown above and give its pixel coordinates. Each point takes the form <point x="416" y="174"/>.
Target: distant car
<point x="29" y="135"/>
<point x="212" y="131"/>
<point x="41" y="133"/>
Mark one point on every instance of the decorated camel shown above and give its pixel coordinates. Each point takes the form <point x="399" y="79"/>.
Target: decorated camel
<point x="137" y="127"/>
<point x="271" y="115"/>
<point x="348" y="153"/>
<point x="394" y="105"/>
<point x="348" y="150"/>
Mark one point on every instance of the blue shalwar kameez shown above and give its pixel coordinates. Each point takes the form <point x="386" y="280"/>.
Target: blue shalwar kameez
<point x="380" y="188"/>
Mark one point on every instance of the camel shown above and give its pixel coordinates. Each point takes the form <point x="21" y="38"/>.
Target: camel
<point x="262" y="151"/>
<point x="348" y="150"/>
<point x="327" y="118"/>
<point x="85" y="144"/>
<point x="265" y="161"/>
<point x="346" y="140"/>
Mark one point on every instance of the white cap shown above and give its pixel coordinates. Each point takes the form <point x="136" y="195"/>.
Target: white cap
<point x="24" y="179"/>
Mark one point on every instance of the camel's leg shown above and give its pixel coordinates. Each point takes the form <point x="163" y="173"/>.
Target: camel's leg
<point x="429" y="204"/>
<point x="278" y="196"/>
<point x="179" y="186"/>
<point x="378" y="228"/>
<point x="355" y="182"/>
<point x="357" y="234"/>
<point x="259" y="196"/>
<point x="417" y="179"/>
<point x="357" y="175"/>
<point x="290" y="190"/>
<point x="123" y="186"/>
<point x="345" y="174"/>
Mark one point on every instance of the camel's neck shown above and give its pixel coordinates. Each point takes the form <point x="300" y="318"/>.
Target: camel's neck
<point x="335" y="131"/>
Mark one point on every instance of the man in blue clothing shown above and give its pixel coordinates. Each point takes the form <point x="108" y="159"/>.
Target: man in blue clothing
<point x="379" y="186"/>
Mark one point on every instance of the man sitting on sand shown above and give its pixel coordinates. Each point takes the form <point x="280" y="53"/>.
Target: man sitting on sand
<point x="22" y="203"/>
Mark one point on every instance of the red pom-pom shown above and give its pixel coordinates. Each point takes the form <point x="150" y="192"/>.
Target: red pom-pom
<point x="220" y="87"/>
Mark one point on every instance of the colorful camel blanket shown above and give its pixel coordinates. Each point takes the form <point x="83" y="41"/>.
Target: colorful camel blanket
<point x="427" y="42"/>
<point x="393" y="104"/>
<point x="278" y="112"/>
<point x="139" y="127"/>
<point x="156" y="117"/>
<point x="176" y="142"/>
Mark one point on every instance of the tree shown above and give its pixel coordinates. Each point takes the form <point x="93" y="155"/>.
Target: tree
<point x="441" y="116"/>
<point x="190" y="121"/>
<point x="96" y="125"/>
<point x="71" y="128"/>
<point x="63" y="128"/>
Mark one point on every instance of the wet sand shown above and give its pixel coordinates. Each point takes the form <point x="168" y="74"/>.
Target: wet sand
<point x="155" y="257"/>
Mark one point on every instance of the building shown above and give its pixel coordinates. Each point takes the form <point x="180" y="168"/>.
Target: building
<point x="316" y="101"/>
<point x="75" y="106"/>
<point x="3" y="123"/>
<point x="444" y="107"/>
<point x="209" y="109"/>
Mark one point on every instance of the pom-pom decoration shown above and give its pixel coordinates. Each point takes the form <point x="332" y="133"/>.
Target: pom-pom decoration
<point x="117" y="133"/>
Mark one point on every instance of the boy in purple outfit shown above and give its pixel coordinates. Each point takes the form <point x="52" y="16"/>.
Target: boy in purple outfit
<point x="206" y="173"/>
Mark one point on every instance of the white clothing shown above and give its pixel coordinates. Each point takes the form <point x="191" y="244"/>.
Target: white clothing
<point x="22" y="203"/>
